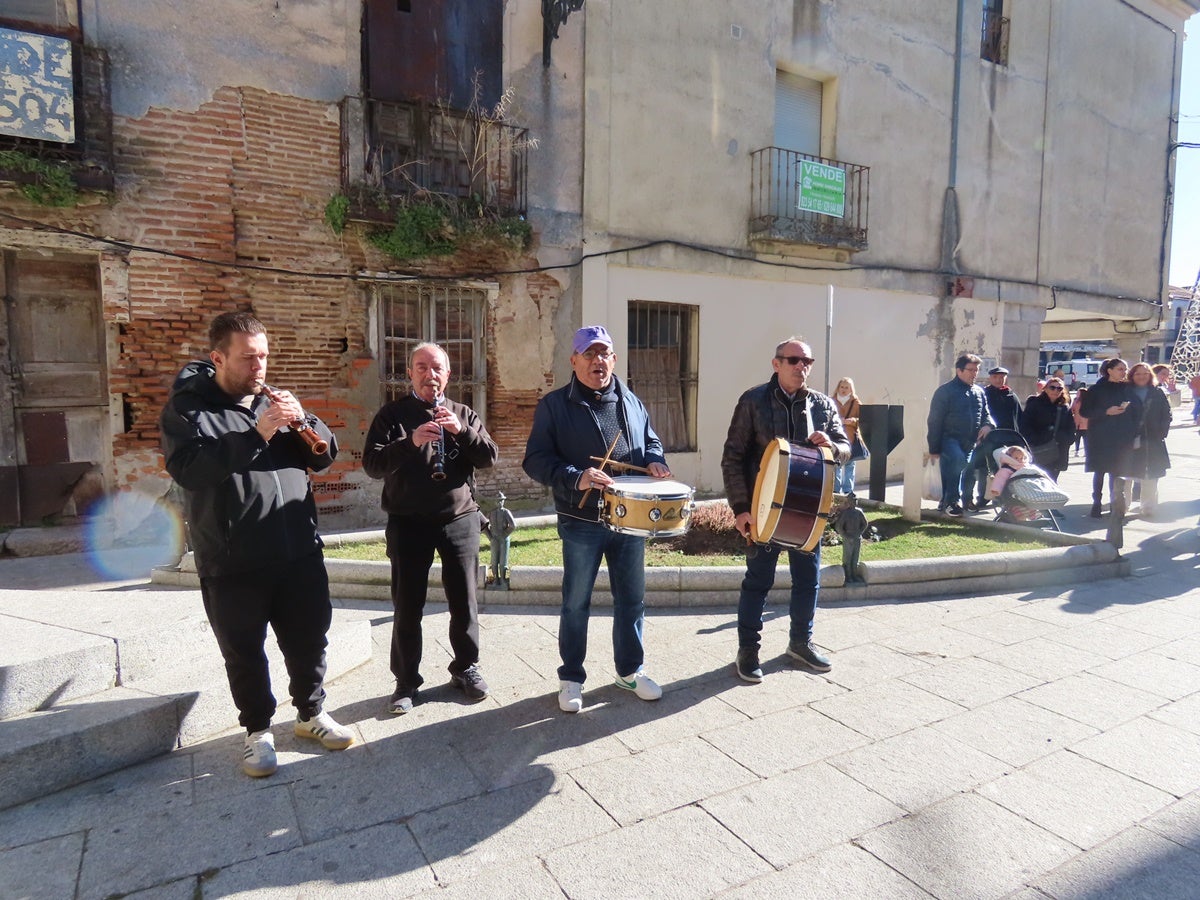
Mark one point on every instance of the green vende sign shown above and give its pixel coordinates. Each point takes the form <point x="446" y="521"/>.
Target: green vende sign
<point x="822" y="189"/>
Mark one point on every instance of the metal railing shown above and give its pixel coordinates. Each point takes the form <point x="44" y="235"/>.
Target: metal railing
<point x="993" y="44"/>
<point x="775" y="202"/>
<point x="404" y="149"/>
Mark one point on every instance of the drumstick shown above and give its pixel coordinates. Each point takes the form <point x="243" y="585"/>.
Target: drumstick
<point x="603" y="463"/>
<point x="620" y="465"/>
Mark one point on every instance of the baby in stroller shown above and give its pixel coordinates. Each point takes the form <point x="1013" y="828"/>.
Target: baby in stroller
<point x="1022" y="491"/>
<point x="1010" y="460"/>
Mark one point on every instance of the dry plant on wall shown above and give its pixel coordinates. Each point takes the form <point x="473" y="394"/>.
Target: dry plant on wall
<point x="430" y="223"/>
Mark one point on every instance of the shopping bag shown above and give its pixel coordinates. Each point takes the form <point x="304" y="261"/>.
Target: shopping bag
<point x="931" y="486"/>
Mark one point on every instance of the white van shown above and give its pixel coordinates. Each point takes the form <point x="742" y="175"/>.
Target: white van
<point x="1077" y="372"/>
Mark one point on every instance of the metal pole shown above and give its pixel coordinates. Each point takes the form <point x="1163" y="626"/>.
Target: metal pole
<point x="828" y="334"/>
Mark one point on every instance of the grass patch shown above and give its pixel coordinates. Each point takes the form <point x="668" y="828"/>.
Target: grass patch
<point x="900" y="539"/>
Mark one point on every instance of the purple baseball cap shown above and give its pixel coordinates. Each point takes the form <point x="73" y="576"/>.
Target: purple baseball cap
<point x="591" y="334"/>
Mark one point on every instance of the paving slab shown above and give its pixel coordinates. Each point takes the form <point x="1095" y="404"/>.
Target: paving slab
<point x="642" y="785"/>
<point x="1152" y="751"/>
<point x="1179" y="822"/>
<point x="784" y="740"/>
<point x="881" y="710"/>
<point x="1154" y="672"/>
<point x="41" y="665"/>
<point x="507" y="826"/>
<point x="1093" y="700"/>
<point x="918" y="768"/>
<point x="846" y="872"/>
<point x="826" y="808"/>
<point x="703" y="859"/>
<point x="970" y="682"/>
<point x="377" y="862"/>
<point x="203" y="837"/>
<point x="1079" y="800"/>
<point x="967" y="847"/>
<point x="1135" y="863"/>
<point x="42" y="869"/>
<point x="1014" y="730"/>
<point x="1043" y="658"/>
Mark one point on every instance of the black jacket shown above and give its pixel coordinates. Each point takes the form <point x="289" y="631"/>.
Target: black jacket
<point x="407" y="470"/>
<point x="1003" y="405"/>
<point x="248" y="501"/>
<point x="764" y="413"/>
<point x="1110" y="438"/>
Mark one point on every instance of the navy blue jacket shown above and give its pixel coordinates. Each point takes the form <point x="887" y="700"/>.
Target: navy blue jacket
<point x="566" y="433"/>
<point x="956" y="413"/>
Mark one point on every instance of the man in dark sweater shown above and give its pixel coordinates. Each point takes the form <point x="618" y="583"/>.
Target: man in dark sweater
<point x="1005" y="410"/>
<point x="426" y="449"/>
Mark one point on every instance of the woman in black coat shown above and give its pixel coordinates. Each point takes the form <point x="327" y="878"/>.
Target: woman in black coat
<point x="1150" y="457"/>
<point x="1113" y="423"/>
<point x="1046" y="422"/>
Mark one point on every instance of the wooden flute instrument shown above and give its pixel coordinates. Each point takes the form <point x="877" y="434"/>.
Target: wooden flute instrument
<point x="316" y="444"/>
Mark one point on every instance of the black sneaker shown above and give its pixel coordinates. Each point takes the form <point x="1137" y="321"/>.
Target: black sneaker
<point x="746" y="665"/>
<point x="954" y="510"/>
<point x="970" y="506"/>
<point x="982" y="503"/>
<point x="470" y="683"/>
<point x="808" y="658"/>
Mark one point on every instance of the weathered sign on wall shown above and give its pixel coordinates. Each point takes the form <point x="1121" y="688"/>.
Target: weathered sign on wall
<point x="36" y="87"/>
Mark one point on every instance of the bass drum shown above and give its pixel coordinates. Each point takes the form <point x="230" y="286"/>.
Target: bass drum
<point x="792" y="495"/>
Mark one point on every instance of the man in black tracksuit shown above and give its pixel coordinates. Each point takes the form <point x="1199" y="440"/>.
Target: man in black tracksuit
<point x="411" y="442"/>
<point x="252" y="522"/>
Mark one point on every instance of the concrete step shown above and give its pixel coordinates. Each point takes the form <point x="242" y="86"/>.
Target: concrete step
<point x="176" y="700"/>
<point x="42" y="752"/>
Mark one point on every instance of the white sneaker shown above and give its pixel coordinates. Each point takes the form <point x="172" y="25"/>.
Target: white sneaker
<point x="641" y="684"/>
<point x="570" y="696"/>
<point x="258" y="757"/>
<point x="323" y="728"/>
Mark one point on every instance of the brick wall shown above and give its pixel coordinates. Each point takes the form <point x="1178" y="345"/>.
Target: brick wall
<point x="244" y="180"/>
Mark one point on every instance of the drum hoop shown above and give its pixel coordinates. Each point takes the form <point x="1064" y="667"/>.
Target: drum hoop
<point x="778" y="446"/>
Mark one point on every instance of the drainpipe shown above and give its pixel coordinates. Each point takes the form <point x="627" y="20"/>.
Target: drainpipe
<point x="950" y="224"/>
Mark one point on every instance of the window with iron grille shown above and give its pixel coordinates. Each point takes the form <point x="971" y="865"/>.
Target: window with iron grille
<point x="449" y="315"/>
<point x="664" y="363"/>
<point x="994" y="42"/>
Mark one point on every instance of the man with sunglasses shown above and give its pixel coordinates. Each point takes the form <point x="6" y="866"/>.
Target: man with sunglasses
<point x="575" y="427"/>
<point x="958" y="420"/>
<point x="784" y="407"/>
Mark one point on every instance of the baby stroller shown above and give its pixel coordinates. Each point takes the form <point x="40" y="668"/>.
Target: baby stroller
<point x="1029" y="492"/>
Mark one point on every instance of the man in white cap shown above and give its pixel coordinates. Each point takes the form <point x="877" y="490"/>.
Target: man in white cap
<point x="573" y="427"/>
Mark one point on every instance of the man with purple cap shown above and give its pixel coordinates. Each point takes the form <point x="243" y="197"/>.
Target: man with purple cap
<point x="573" y="428"/>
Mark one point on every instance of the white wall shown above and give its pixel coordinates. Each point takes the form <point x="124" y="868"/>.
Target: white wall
<point x="882" y="339"/>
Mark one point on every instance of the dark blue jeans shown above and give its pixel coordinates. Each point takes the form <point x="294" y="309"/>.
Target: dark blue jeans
<point x="584" y="544"/>
<point x="952" y="461"/>
<point x="760" y="578"/>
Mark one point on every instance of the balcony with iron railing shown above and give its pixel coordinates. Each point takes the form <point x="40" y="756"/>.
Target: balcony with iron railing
<point x="786" y="206"/>
<point x="396" y="150"/>
<point x="89" y="159"/>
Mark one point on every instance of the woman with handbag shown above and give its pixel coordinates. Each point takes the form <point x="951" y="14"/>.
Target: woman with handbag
<point x="849" y="408"/>
<point x="1048" y="427"/>
<point x="1150" y="457"/>
<point x="1113" y="423"/>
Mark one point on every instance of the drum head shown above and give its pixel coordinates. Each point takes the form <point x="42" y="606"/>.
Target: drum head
<point x="769" y="490"/>
<point x="648" y="487"/>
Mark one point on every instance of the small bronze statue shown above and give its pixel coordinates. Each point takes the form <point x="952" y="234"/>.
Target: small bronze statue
<point x="851" y="524"/>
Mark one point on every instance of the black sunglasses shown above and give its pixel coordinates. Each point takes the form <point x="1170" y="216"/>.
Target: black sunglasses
<point x="795" y="360"/>
<point x="1054" y="387"/>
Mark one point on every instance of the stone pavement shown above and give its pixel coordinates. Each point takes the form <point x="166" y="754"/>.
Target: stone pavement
<point x="1028" y="744"/>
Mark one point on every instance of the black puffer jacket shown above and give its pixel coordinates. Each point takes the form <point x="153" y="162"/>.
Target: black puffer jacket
<point x="248" y="501"/>
<point x="764" y="413"/>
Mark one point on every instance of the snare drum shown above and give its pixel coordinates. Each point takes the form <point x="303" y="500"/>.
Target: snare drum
<point x="653" y="507"/>
<point x="793" y="495"/>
